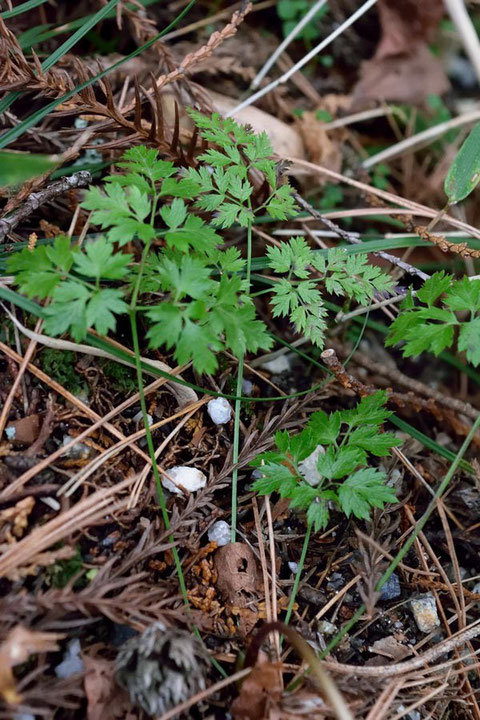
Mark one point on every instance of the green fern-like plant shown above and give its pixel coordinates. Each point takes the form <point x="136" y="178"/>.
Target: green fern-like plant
<point x="193" y="293"/>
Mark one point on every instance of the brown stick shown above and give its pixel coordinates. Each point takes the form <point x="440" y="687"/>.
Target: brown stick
<point x="34" y="200"/>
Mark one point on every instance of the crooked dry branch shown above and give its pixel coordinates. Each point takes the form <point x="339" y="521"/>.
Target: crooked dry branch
<point x="353" y="239"/>
<point x="79" y="179"/>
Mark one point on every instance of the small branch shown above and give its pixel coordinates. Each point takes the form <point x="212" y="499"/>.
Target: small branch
<point x="354" y="240"/>
<point x="283" y="45"/>
<point x="315" y="51"/>
<point x="401" y="400"/>
<point x="462" y="21"/>
<point x="80" y="179"/>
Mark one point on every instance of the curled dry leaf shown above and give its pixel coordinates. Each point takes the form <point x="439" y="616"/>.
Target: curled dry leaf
<point x="323" y="148"/>
<point x="17" y="647"/>
<point x="238" y="577"/>
<point x="24" y="431"/>
<point x="105" y="700"/>
<point x="390" y="648"/>
<point x="259" y="690"/>
<point x="403" y="69"/>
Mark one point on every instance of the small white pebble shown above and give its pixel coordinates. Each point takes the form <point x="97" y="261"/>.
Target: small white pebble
<point x="79" y="451"/>
<point x="219" y="410"/>
<point x="293" y="567"/>
<point x="139" y="418"/>
<point x="72" y="663"/>
<point x="424" y="609"/>
<point x="181" y="476"/>
<point x="308" y="467"/>
<point x="326" y="628"/>
<point x="247" y="388"/>
<point x="10" y="432"/>
<point x="51" y="502"/>
<point x="220" y="533"/>
<point x="277" y="366"/>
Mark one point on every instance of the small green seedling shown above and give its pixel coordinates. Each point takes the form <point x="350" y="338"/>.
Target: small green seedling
<point x="344" y="477"/>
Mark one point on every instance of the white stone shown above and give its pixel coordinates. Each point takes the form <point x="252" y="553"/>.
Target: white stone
<point x="293" y="567"/>
<point x="220" y="533"/>
<point x="72" y="663"/>
<point x="219" y="410"/>
<point x="181" y="476"/>
<point x="139" y="418"/>
<point x="10" y="432"/>
<point x="424" y="609"/>
<point x="247" y="388"/>
<point x="326" y="628"/>
<point x="79" y="451"/>
<point x="277" y="366"/>
<point x="308" y="467"/>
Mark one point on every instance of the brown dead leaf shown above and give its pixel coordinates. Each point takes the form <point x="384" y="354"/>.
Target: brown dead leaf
<point x="403" y="68"/>
<point x="17" y="647"/>
<point x="237" y="571"/>
<point x="323" y="148"/>
<point x="260" y="689"/>
<point x="390" y="648"/>
<point x="25" y="431"/>
<point x="105" y="700"/>
<point x="407" y="23"/>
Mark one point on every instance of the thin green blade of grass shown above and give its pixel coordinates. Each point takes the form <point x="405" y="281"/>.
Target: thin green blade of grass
<point x="22" y="8"/>
<point x="428" y="442"/>
<point x="32" y="120"/>
<point x="64" y="48"/>
<point x="29" y="40"/>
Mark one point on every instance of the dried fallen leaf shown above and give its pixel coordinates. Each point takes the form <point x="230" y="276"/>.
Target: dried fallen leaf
<point x="237" y="572"/>
<point x="24" y="431"/>
<point x="105" y="700"/>
<point x="403" y="69"/>
<point x="260" y="689"/>
<point x="19" y="644"/>
<point x="390" y="648"/>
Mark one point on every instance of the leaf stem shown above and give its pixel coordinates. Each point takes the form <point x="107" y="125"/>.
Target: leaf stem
<point x="238" y="403"/>
<point x="296" y="582"/>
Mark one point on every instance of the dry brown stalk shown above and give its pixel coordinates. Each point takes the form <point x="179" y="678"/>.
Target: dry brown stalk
<point x="401" y="400"/>
<point x="393" y="374"/>
<point x="80" y="179"/>
<point x="214" y="41"/>
<point x="408" y="666"/>
<point x="440" y="240"/>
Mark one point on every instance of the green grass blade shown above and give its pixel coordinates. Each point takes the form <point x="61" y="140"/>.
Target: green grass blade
<point x="18" y="130"/>
<point x="17" y="167"/>
<point x="64" y="48"/>
<point x="23" y="7"/>
<point x="429" y="443"/>
<point x="48" y="31"/>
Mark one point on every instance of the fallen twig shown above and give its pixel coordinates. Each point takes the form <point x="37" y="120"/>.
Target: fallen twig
<point x="80" y="179"/>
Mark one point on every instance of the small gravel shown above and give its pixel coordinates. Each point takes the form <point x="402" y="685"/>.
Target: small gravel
<point x="220" y="533"/>
<point x="219" y="410"/>
<point x="424" y="609"/>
